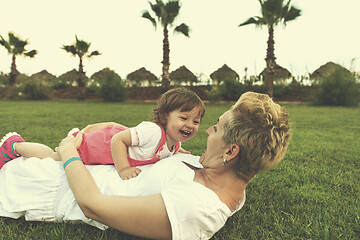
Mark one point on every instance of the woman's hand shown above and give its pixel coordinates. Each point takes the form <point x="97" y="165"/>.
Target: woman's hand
<point x="70" y="141"/>
<point x="129" y="172"/>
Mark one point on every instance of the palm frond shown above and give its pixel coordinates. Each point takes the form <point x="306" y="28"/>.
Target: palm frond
<point x="183" y="28"/>
<point x="17" y="43"/>
<point x="70" y="48"/>
<point x="253" y="20"/>
<point x="272" y="11"/>
<point x="277" y="11"/>
<point x="157" y="8"/>
<point x="147" y="15"/>
<point x="292" y="14"/>
<point x="2" y="41"/>
<point x="171" y="10"/>
<point x="12" y="39"/>
<point x="81" y="46"/>
<point x="287" y="6"/>
<point x="5" y="44"/>
<point x="94" y="53"/>
<point x="31" y="53"/>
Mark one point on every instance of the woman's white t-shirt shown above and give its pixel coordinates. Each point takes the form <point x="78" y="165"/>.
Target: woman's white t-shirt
<point x="37" y="189"/>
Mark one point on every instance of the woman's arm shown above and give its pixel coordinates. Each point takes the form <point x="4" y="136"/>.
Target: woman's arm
<point x="141" y="216"/>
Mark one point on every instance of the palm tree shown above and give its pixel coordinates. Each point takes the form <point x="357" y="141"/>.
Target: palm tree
<point x="273" y="12"/>
<point x="80" y="48"/>
<point x="166" y="14"/>
<point x="16" y="47"/>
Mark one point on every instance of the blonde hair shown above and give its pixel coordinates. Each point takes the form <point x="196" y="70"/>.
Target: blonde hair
<point x="260" y="128"/>
<point x="176" y="99"/>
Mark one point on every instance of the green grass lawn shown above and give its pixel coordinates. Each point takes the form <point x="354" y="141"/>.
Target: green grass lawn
<point x="313" y="194"/>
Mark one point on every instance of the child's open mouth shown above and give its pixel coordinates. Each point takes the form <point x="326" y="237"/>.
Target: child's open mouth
<point x="185" y="133"/>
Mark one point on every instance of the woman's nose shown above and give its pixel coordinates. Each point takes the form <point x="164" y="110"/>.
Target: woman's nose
<point x="208" y="130"/>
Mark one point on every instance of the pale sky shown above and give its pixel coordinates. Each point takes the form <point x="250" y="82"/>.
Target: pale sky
<point x="328" y="30"/>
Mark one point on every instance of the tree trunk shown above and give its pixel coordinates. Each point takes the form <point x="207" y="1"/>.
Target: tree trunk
<point x="165" y="81"/>
<point x="270" y="64"/>
<point x="13" y="72"/>
<point x="81" y="81"/>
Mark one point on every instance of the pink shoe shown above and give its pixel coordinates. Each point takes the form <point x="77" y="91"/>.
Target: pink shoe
<point x="7" y="151"/>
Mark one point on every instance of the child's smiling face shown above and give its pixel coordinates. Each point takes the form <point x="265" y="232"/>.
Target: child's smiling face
<point x="182" y="126"/>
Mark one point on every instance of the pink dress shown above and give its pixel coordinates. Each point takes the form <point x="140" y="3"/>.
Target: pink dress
<point x="96" y="148"/>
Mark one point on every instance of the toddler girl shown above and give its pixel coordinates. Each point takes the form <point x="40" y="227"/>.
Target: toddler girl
<point x="176" y="119"/>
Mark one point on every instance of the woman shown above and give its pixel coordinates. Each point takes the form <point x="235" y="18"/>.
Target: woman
<point x="186" y="200"/>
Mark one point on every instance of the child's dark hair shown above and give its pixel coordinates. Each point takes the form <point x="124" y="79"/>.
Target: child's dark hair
<point x="177" y="98"/>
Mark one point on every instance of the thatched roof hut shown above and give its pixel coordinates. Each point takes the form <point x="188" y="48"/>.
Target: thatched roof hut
<point x="71" y="77"/>
<point x="141" y="77"/>
<point x="326" y="70"/>
<point x="141" y="74"/>
<point x="224" y="73"/>
<point x="182" y="74"/>
<point x="100" y="74"/>
<point x="280" y="73"/>
<point x="43" y="77"/>
<point x="73" y="74"/>
<point x="43" y="74"/>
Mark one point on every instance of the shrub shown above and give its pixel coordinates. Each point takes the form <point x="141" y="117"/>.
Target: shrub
<point x="11" y="92"/>
<point x="4" y="80"/>
<point x="281" y="90"/>
<point x="230" y="90"/>
<point x="112" y="88"/>
<point x="338" y="89"/>
<point x="36" y="91"/>
<point x="93" y="89"/>
<point x="60" y="84"/>
<point x="214" y="95"/>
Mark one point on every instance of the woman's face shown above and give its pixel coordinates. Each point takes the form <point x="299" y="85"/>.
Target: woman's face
<point x="215" y="148"/>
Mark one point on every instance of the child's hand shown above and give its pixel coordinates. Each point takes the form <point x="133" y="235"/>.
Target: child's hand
<point x="78" y="139"/>
<point x="69" y="141"/>
<point x="129" y="172"/>
<point x="88" y="128"/>
<point x="181" y="150"/>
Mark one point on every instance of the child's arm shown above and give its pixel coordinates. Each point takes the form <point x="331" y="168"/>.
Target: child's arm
<point x="119" y="144"/>
<point x="95" y="126"/>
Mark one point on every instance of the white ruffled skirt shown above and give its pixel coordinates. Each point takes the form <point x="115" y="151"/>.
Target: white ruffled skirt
<point x="38" y="190"/>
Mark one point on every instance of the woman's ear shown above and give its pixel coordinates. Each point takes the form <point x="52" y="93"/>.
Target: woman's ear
<point x="232" y="152"/>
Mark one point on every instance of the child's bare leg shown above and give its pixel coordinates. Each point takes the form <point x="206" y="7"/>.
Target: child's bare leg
<point x="29" y="149"/>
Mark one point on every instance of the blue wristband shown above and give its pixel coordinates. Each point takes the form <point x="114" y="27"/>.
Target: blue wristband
<point x="71" y="160"/>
